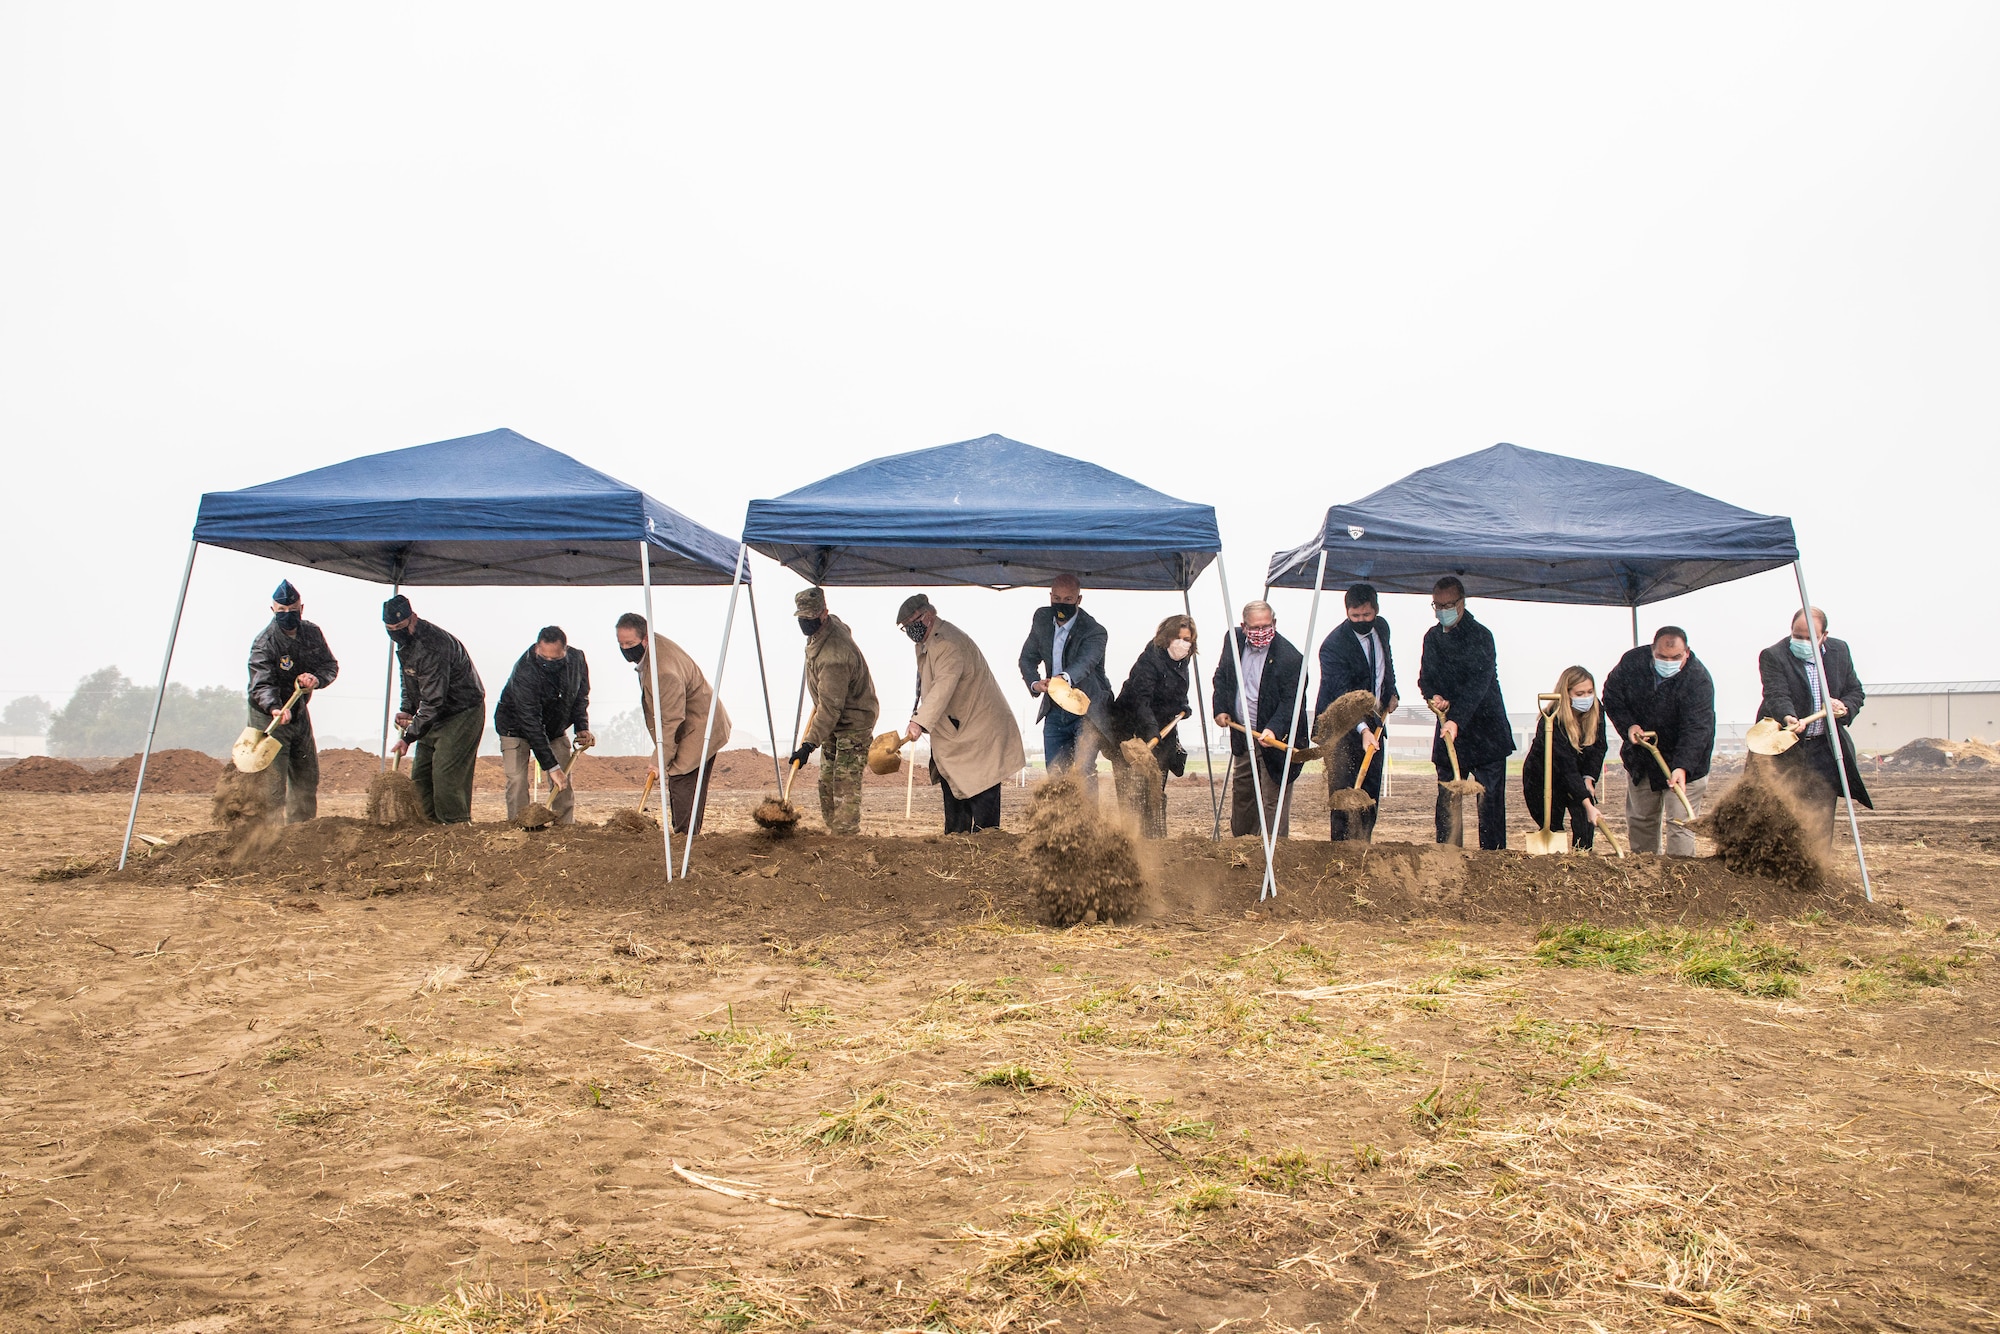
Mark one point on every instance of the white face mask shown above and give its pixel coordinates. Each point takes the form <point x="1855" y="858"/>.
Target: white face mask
<point x="1582" y="703"/>
<point x="1179" y="649"/>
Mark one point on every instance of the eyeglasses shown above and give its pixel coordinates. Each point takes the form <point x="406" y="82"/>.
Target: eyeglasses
<point x="1446" y="606"/>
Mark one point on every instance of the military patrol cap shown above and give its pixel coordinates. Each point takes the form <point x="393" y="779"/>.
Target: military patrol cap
<point x="284" y="594"/>
<point x="809" y="603"/>
<point x="396" y="609"/>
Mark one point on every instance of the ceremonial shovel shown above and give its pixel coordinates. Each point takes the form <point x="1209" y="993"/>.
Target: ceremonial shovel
<point x="255" y="749"/>
<point x="1544" y="841"/>
<point x="1768" y="736"/>
<point x="1647" y="739"/>
<point x="1460" y="787"/>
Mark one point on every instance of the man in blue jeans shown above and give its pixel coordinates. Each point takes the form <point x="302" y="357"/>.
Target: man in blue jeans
<point x="1066" y="642"/>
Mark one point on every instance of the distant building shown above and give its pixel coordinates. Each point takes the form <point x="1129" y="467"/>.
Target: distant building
<point x="1949" y="710"/>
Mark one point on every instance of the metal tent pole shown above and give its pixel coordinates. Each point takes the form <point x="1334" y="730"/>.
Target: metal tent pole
<point x="714" y="698"/>
<point x="659" y="741"/>
<point x="1299" y="695"/>
<point x="388" y="687"/>
<point x="1201" y="712"/>
<point x="1635" y="625"/>
<point x="1249" y="745"/>
<point x="770" y="722"/>
<point x="159" y="698"/>
<point x="1833" y="728"/>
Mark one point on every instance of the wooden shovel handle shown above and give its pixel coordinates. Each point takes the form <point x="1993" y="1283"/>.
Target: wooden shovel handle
<point x="1368" y="757"/>
<point x="786" y="795"/>
<point x="1271" y="745"/>
<point x="647" y="792"/>
<point x="1168" y="728"/>
<point x="1450" y="749"/>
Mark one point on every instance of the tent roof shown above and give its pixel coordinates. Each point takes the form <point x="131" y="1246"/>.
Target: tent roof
<point x="488" y="509"/>
<point x="1517" y="523"/>
<point x="990" y="511"/>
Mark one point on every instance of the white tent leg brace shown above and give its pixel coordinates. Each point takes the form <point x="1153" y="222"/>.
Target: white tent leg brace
<point x="1833" y="730"/>
<point x="770" y="722"/>
<point x="1299" y="695"/>
<point x="714" y="698"/>
<point x="659" y="741"/>
<point x="159" y="698"/>
<point x="1201" y="712"/>
<point x="1249" y="745"/>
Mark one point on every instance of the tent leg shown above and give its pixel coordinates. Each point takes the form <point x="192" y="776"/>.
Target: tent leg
<point x="714" y="698"/>
<point x="757" y="635"/>
<point x="388" y="688"/>
<point x="1249" y="745"/>
<point x="659" y="741"/>
<point x="1299" y="695"/>
<point x="1201" y="712"/>
<point x="159" y="698"/>
<point x="1833" y="730"/>
<point x="1635" y="625"/>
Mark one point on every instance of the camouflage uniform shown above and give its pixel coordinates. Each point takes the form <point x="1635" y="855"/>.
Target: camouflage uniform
<point x="843" y="716"/>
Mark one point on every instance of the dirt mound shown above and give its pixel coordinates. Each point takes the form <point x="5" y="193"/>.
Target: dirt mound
<point x="632" y="821"/>
<point x="1758" y="831"/>
<point x="1081" y="866"/>
<point x="1936" y="753"/>
<point x="166" y="771"/>
<point x="42" y="773"/>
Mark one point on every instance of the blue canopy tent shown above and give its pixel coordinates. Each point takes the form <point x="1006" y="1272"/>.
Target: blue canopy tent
<point x="1527" y="526"/>
<point x="490" y="509"/>
<point x="991" y="512"/>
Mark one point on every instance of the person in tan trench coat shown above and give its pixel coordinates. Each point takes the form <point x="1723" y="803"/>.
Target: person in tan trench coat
<point x="975" y="742"/>
<point x="684" y="698"/>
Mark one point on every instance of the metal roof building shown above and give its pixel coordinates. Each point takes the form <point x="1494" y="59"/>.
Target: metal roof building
<point x="1900" y="712"/>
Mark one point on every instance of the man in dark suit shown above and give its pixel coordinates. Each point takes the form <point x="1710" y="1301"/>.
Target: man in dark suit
<point x="1792" y="691"/>
<point x="1273" y="677"/>
<point x="1460" y="676"/>
<point x="1356" y="657"/>
<point x="1066" y="642"/>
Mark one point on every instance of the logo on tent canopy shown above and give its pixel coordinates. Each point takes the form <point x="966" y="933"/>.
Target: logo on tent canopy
<point x="1355" y="532"/>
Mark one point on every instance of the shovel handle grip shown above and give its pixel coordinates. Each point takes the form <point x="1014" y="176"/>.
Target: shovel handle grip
<point x="786" y="795"/>
<point x="1367" y="757"/>
<point x="1450" y="749"/>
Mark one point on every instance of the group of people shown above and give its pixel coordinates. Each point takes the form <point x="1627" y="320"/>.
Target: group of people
<point x="1659" y="701"/>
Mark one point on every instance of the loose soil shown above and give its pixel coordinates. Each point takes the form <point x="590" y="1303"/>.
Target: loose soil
<point x="480" y="1078"/>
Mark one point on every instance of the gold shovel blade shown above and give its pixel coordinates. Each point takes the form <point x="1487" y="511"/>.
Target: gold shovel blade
<point x="254" y="751"/>
<point x="1768" y="736"/>
<point x="1546" y="842"/>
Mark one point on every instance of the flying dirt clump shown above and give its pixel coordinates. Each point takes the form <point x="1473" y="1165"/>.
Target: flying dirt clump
<point x="1137" y="780"/>
<point x="1081" y="866"/>
<point x="1758" y="831"/>
<point x="241" y="799"/>
<point x="631" y="821"/>
<point x="776" y="816"/>
<point x="393" y="800"/>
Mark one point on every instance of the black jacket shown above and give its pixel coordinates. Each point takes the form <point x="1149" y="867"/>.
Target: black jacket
<point x="1284" y="666"/>
<point x="1083" y="661"/>
<point x="1154" y="694"/>
<point x="1344" y="667"/>
<point x="277" y="660"/>
<point x="1681" y="708"/>
<point x="439" y="680"/>
<point x="1463" y="666"/>
<point x="1572" y="765"/>
<point x="1787" y="693"/>
<point x="540" y="702"/>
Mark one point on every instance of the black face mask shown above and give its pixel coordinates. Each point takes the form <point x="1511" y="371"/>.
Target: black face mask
<point x="634" y="653"/>
<point x="1063" y="612"/>
<point x="916" y="630"/>
<point x="810" y="628"/>
<point x="402" y="637"/>
<point x="288" y="621"/>
<point x="551" y="665"/>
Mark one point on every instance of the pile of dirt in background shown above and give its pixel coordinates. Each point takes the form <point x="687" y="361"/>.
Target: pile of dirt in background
<point x="41" y="773"/>
<point x="187" y="771"/>
<point x="1082" y="866"/>
<point x="1931" y="752"/>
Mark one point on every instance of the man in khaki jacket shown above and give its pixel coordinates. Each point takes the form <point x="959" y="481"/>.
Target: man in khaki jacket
<point x="844" y="711"/>
<point x="684" y="699"/>
<point x="975" y="742"/>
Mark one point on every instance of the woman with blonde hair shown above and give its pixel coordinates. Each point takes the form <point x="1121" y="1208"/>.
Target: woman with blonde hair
<point x="1580" y="745"/>
<point x="1155" y="694"/>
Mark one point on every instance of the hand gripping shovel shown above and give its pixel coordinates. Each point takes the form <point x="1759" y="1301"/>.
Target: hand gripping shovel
<point x="255" y="749"/>
<point x="1544" y="841"/>
<point x="1649" y="740"/>
<point x="1768" y="736"/>
<point x="1459" y="788"/>
<point x="1353" y="798"/>
<point x="1300" y="754"/>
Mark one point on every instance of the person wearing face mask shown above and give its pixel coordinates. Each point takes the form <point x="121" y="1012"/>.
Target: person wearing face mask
<point x="443" y="713"/>
<point x="1273" y="672"/>
<point x="1155" y="693"/>
<point x="1580" y="746"/>
<point x="684" y="699"/>
<point x="975" y="743"/>
<point x="844" y="711"/>
<point x="1793" y="690"/>
<point x="1069" y="643"/>
<point x="547" y="695"/>
<point x="288" y="653"/>
<point x="1355" y="656"/>
<point x="1662" y="688"/>
<point x="1459" y="674"/>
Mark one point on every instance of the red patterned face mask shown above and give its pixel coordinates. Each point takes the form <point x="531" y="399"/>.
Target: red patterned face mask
<point x="1260" y="636"/>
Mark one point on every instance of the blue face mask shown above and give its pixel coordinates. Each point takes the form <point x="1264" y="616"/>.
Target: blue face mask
<point x="1582" y="703"/>
<point x="1665" y="668"/>
<point x="1802" y="649"/>
<point x="1448" y="616"/>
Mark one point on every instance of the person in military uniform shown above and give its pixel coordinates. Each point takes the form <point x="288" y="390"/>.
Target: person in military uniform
<point x="443" y="713"/>
<point x="288" y="653"/>
<point x="547" y="695"/>
<point x="844" y="710"/>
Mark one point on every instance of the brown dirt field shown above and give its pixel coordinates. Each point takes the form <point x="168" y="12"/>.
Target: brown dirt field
<point x="481" y="1079"/>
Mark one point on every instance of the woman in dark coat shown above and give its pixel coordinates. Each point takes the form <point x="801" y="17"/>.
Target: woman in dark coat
<point x="1579" y="758"/>
<point x="1155" y="694"/>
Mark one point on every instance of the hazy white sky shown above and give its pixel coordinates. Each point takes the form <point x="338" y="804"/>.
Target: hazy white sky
<point x="1269" y="258"/>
